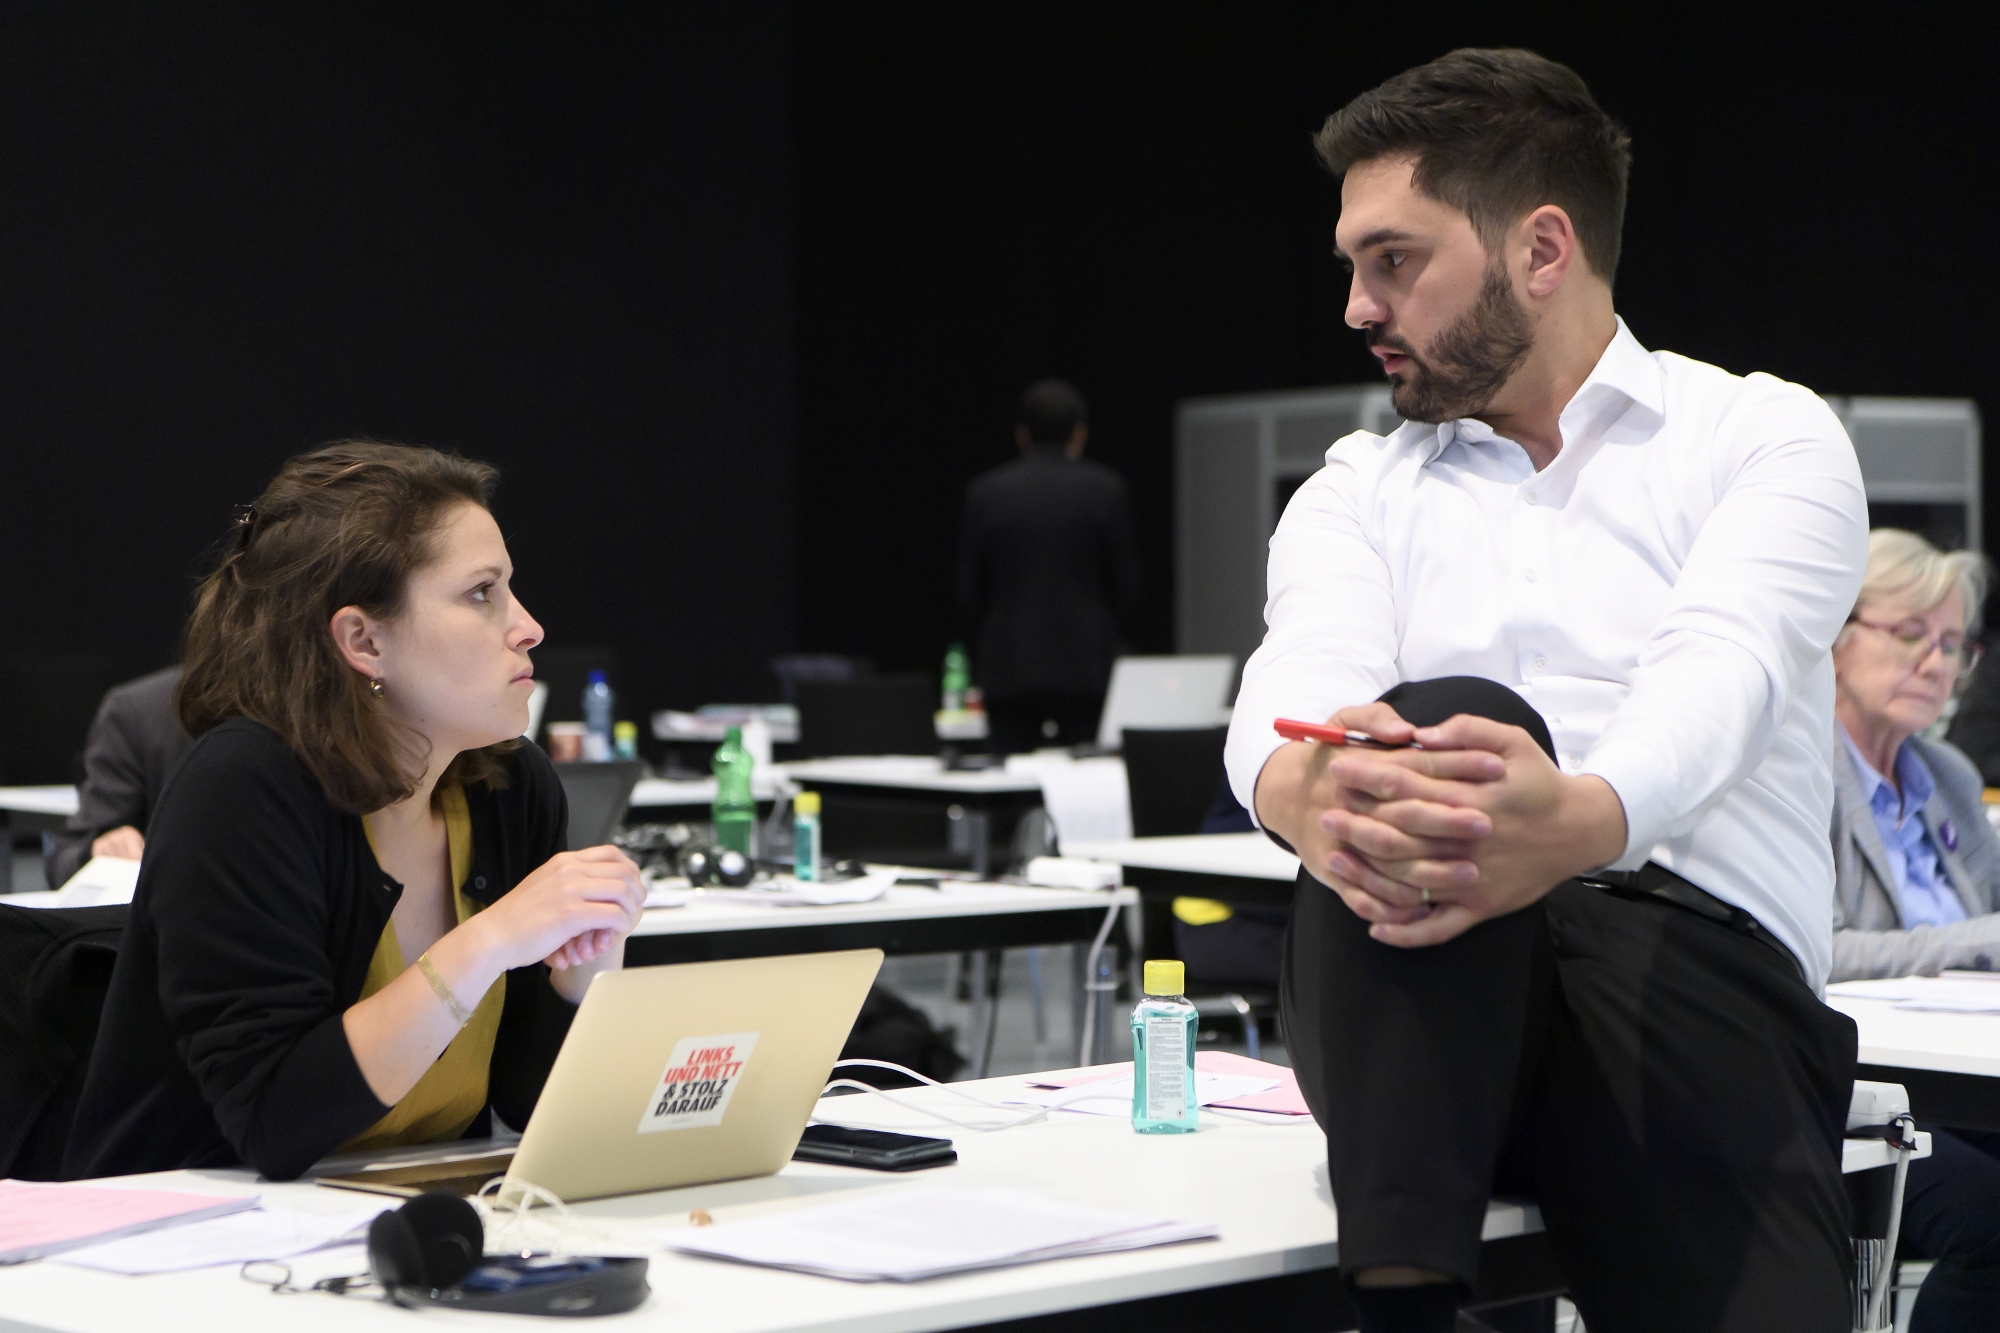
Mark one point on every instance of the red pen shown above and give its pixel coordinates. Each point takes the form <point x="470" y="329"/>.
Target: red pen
<point x="1328" y="734"/>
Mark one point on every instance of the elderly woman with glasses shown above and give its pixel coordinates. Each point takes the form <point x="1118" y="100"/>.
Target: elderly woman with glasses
<point x="1916" y="865"/>
<point x="1917" y="873"/>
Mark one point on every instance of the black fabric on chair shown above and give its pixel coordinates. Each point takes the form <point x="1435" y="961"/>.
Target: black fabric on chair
<point x="55" y="967"/>
<point x="887" y="714"/>
<point x="1171" y="774"/>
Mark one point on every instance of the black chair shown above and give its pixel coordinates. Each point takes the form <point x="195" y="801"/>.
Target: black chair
<point x="599" y="795"/>
<point x="886" y="714"/>
<point x="55" y="967"/>
<point x="1172" y="776"/>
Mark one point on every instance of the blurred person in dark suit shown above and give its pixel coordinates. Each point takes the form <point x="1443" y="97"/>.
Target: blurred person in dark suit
<point x="135" y="744"/>
<point x="1047" y="569"/>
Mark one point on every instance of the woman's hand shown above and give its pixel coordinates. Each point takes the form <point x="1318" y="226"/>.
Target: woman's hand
<point x="570" y="911"/>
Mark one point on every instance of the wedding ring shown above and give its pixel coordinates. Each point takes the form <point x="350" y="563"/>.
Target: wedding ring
<point x="1427" y="896"/>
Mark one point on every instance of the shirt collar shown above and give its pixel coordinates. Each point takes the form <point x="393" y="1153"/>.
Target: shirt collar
<point x="1626" y="368"/>
<point x="1913" y="775"/>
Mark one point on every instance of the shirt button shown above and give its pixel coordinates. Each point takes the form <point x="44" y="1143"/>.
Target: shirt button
<point x="1531" y="498"/>
<point x="479" y="881"/>
<point x="1541" y="662"/>
<point x="1531" y="576"/>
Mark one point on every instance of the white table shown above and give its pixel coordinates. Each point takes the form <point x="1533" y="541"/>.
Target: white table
<point x="1246" y="868"/>
<point x="1949" y="1062"/>
<point x="1264" y="1186"/>
<point x="956" y="917"/>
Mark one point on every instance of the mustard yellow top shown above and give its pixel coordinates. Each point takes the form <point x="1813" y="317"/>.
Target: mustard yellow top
<point x="452" y="1091"/>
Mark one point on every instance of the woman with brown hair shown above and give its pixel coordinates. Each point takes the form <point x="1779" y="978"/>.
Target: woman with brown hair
<point x="356" y="925"/>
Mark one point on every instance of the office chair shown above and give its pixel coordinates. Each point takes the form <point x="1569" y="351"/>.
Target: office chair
<point x="55" y="968"/>
<point x="1172" y="775"/>
<point x="599" y="795"/>
<point x="886" y="714"/>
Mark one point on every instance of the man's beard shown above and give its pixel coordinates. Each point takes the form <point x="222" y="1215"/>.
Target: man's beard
<point x="1467" y="364"/>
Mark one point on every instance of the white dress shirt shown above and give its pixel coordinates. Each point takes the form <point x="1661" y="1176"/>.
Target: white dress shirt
<point x="1665" y="593"/>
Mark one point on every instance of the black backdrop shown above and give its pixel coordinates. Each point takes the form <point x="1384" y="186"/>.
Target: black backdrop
<point x="738" y="295"/>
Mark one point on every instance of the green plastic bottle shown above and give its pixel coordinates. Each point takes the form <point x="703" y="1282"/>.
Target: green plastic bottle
<point x="734" y="811"/>
<point x="1163" y="1032"/>
<point x="957" y="678"/>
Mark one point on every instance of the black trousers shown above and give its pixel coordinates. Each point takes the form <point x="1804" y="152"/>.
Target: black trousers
<point x="1951" y="1214"/>
<point x="1668" y="1089"/>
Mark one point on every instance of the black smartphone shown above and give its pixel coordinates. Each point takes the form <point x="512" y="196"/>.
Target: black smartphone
<point x="875" y="1149"/>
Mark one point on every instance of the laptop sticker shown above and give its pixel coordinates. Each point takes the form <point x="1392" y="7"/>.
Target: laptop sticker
<point x="700" y="1078"/>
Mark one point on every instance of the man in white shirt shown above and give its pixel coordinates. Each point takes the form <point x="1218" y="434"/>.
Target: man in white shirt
<point x="1572" y="944"/>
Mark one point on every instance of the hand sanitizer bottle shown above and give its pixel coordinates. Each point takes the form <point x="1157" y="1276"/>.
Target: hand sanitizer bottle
<point x="1163" y="1026"/>
<point x="805" y="836"/>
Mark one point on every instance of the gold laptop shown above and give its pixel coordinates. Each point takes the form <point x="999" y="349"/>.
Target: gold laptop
<point x="671" y="1076"/>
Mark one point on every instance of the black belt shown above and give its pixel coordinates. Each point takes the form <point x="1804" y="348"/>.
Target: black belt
<point x="1654" y="880"/>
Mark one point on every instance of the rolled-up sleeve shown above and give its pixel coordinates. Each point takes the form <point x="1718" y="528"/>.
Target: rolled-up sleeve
<point x="1767" y="584"/>
<point x="1330" y="641"/>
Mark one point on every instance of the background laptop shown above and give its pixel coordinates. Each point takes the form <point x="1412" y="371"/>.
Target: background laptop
<point x="670" y="1076"/>
<point x="1165" y="692"/>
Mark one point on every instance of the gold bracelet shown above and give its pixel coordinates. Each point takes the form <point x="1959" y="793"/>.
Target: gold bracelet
<point x="458" y="1011"/>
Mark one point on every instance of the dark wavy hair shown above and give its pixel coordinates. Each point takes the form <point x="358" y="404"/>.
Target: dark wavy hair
<point x="1496" y="134"/>
<point x="344" y="525"/>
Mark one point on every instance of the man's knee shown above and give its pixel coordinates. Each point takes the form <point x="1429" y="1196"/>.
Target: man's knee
<point x="1427" y="703"/>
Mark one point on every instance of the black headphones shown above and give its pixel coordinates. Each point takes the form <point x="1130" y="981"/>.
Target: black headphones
<point x="430" y="1243"/>
<point x="421" y="1253"/>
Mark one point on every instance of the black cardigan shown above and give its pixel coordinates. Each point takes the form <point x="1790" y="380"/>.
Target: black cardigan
<point x="259" y="906"/>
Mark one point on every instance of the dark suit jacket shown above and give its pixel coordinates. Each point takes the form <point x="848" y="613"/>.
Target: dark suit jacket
<point x="1047" y="568"/>
<point x="135" y="744"/>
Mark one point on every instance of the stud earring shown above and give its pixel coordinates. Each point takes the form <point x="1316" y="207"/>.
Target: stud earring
<point x="375" y="686"/>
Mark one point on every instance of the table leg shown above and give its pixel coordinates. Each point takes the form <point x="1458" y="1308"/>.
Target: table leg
<point x="985" y="1016"/>
<point x="7" y="861"/>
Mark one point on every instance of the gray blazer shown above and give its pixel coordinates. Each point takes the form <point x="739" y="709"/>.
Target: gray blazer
<point x="1869" y="939"/>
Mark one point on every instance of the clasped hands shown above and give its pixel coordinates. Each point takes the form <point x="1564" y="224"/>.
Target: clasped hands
<point x="1426" y="843"/>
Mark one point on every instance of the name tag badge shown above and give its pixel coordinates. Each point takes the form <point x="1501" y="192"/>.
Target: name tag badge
<point x="700" y="1078"/>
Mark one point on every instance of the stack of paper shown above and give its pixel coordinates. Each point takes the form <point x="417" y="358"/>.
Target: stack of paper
<point x="1959" y="994"/>
<point x="257" y="1233"/>
<point x="1113" y="1096"/>
<point x="38" y="1220"/>
<point x="907" y="1235"/>
<point x="1277" y="1089"/>
<point x="104" y="881"/>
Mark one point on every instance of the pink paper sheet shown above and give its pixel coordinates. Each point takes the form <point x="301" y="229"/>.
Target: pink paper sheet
<point x="1285" y="1099"/>
<point x="37" y="1218"/>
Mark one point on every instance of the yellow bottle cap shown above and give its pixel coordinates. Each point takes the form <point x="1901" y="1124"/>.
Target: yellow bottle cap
<point x="625" y="730"/>
<point x="1165" y="976"/>
<point x="806" y="803"/>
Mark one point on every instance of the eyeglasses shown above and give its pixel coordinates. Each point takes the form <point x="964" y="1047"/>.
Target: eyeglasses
<point x="1914" y="643"/>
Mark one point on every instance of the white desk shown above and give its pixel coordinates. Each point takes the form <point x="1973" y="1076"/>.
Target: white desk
<point x="910" y="773"/>
<point x="1949" y="1062"/>
<point x="1235" y="867"/>
<point x="651" y="793"/>
<point x="1227" y="855"/>
<point x="1263" y="1186"/>
<point x="980" y="919"/>
<point x="55" y="802"/>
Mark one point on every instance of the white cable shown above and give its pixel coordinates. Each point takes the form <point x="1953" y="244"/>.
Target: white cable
<point x="940" y="1118"/>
